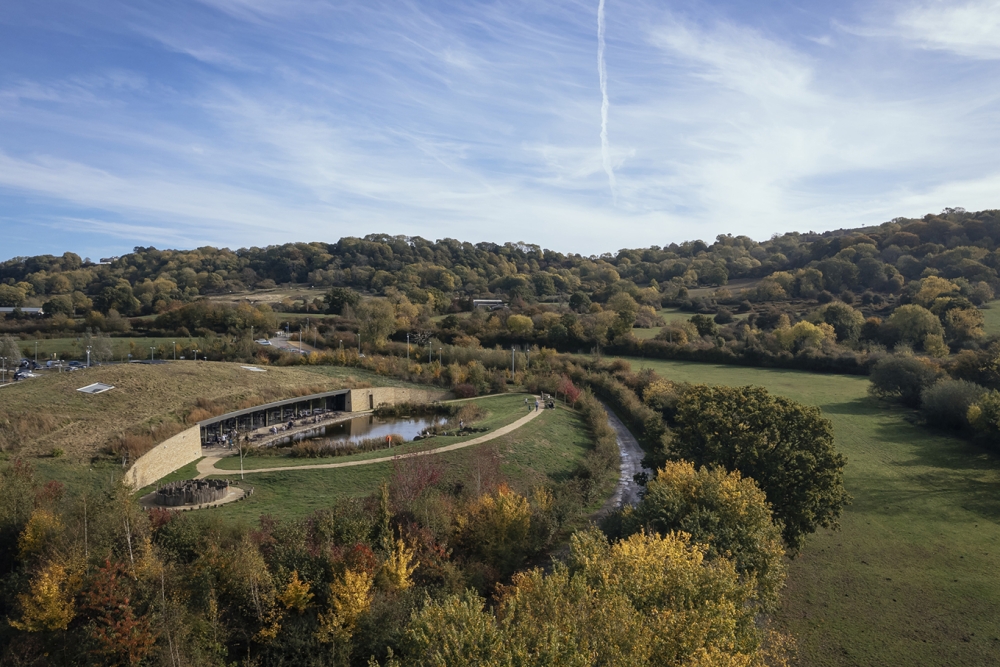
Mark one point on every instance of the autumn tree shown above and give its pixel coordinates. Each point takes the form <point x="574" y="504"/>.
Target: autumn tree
<point x="724" y="511"/>
<point x="119" y="633"/>
<point x="48" y="605"/>
<point x="786" y="447"/>
<point x="378" y="320"/>
<point x="339" y="298"/>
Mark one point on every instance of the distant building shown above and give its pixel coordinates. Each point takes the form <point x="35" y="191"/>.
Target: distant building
<point x="26" y="311"/>
<point x="107" y="260"/>
<point x="489" y="304"/>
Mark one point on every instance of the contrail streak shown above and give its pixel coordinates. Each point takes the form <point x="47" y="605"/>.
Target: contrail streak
<point x="602" y="71"/>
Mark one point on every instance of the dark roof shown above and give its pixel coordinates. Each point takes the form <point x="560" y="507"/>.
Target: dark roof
<point x="269" y="406"/>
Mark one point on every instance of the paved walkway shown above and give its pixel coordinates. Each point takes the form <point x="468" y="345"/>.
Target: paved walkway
<point x="207" y="467"/>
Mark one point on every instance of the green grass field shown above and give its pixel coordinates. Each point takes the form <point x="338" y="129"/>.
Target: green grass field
<point x="991" y="318"/>
<point x="547" y="448"/>
<point x="911" y="576"/>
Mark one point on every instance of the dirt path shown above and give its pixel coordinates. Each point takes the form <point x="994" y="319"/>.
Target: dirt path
<point x="627" y="491"/>
<point x="207" y="467"/>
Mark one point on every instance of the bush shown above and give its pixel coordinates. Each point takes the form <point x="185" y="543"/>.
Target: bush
<point x="465" y="390"/>
<point x="947" y="402"/>
<point x="723" y="316"/>
<point x="903" y="378"/>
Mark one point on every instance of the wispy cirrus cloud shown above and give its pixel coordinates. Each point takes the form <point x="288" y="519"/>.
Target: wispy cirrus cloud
<point x="969" y="29"/>
<point x="244" y="122"/>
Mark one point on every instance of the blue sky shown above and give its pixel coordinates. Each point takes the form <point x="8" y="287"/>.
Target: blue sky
<point x="253" y="122"/>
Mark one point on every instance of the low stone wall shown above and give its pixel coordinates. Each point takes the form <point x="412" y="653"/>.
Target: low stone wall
<point x="360" y="400"/>
<point x="165" y="458"/>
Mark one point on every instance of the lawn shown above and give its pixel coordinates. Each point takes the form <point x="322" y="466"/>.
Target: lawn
<point x="501" y="410"/>
<point x="547" y="448"/>
<point x="910" y="578"/>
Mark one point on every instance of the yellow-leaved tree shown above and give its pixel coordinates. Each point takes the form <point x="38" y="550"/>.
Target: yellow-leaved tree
<point x="41" y="527"/>
<point x="350" y="597"/>
<point x="296" y="596"/>
<point x="399" y="565"/>
<point x="645" y="600"/>
<point x="48" y="605"/>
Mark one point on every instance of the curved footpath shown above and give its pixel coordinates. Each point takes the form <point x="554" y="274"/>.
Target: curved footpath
<point x="207" y="467"/>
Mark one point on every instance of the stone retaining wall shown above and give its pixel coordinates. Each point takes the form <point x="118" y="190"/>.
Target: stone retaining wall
<point x="360" y="400"/>
<point x="165" y="458"/>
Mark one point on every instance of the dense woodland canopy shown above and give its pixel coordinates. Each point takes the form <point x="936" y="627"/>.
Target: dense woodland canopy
<point x="954" y="244"/>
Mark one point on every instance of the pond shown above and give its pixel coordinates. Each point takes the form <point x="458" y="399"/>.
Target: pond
<point x="364" y="428"/>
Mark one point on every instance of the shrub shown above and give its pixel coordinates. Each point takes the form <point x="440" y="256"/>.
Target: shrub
<point x="465" y="390"/>
<point x="903" y="378"/>
<point x="723" y="316"/>
<point x="947" y="402"/>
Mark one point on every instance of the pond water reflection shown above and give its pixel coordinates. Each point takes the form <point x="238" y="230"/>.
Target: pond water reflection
<point x="364" y="428"/>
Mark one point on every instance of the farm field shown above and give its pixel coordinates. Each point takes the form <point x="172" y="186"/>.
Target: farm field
<point x="910" y="577"/>
<point x="501" y="410"/>
<point x="547" y="448"/>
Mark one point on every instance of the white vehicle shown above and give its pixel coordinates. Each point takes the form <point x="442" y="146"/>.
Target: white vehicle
<point x="263" y="341"/>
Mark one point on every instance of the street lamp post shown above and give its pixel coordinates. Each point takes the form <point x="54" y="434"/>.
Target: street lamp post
<point x="88" y="356"/>
<point x="512" y="360"/>
<point x="300" y="339"/>
<point x="196" y="354"/>
<point x="152" y="353"/>
<point x="4" y="359"/>
<point x="36" y="352"/>
<point x="175" y="350"/>
<point x="407" y="347"/>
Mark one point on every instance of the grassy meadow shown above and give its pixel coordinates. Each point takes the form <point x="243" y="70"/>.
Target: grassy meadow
<point x="910" y="576"/>
<point x="547" y="448"/>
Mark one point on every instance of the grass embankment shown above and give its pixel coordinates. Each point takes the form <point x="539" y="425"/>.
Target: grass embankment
<point x="500" y="411"/>
<point x="549" y="448"/>
<point x="40" y="414"/>
<point x="910" y="578"/>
